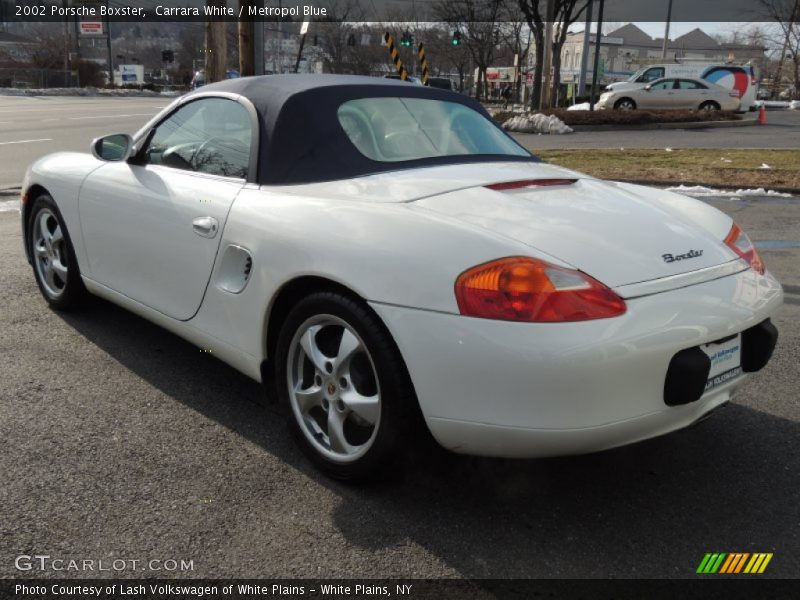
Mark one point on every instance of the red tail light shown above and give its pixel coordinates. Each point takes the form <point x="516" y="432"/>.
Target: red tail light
<point x="526" y="289"/>
<point x="738" y="241"/>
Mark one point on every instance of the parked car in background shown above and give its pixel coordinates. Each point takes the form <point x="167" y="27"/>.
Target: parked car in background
<point x="199" y="79"/>
<point x="443" y="83"/>
<point x="411" y="78"/>
<point x="742" y="79"/>
<point x="672" y="93"/>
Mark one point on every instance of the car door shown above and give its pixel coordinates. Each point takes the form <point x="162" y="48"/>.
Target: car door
<point x="690" y="94"/>
<point x="659" y="95"/>
<point x="152" y="225"/>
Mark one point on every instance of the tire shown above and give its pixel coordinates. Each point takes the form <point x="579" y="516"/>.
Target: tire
<point x="625" y="104"/>
<point x="349" y="417"/>
<point x="54" y="265"/>
<point x="710" y="105"/>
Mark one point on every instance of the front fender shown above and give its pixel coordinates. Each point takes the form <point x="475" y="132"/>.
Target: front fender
<point x="61" y="175"/>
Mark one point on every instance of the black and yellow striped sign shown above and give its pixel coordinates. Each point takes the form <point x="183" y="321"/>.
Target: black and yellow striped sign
<point x="393" y="52"/>
<point x="423" y="63"/>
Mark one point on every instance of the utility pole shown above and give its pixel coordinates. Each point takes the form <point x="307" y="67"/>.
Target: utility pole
<point x="596" y="67"/>
<point x="258" y="48"/>
<point x="303" y="33"/>
<point x="108" y="40"/>
<point x="548" y="54"/>
<point x="666" y="31"/>
<point x="587" y="41"/>
<point x="245" y="30"/>
<point x="216" y="46"/>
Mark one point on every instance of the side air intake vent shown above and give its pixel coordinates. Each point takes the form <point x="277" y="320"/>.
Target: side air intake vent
<point x="235" y="269"/>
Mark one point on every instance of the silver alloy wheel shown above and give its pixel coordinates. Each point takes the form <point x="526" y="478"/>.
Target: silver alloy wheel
<point x="50" y="253"/>
<point x="333" y="388"/>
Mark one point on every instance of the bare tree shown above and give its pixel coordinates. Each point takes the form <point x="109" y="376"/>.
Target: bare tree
<point x="567" y="12"/>
<point x="786" y="13"/>
<point x="532" y="9"/>
<point x="517" y="39"/>
<point x="477" y="22"/>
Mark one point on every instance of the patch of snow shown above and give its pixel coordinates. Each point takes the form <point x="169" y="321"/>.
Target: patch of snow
<point x="772" y="104"/>
<point x="669" y="149"/>
<point x="703" y="191"/>
<point x="9" y="205"/>
<point x="794" y="105"/>
<point x="87" y="91"/>
<point x="581" y="106"/>
<point x="536" y="123"/>
<point x="765" y="166"/>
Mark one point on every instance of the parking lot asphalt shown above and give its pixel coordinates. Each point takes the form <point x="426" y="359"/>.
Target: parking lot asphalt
<point x="121" y="441"/>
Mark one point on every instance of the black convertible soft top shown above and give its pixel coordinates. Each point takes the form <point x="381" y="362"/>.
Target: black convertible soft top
<point x="301" y="139"/>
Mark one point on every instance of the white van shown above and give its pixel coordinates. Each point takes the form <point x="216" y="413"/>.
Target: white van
<point x="741" y="78"/>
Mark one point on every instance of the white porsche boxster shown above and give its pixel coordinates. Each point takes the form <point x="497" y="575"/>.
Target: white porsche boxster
<point x="385" y="251"/>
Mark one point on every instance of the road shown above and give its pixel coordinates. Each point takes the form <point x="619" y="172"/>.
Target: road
<point x="121" y="441"/>
<point x="32" y="127"/>
<point x="781" y="131"/>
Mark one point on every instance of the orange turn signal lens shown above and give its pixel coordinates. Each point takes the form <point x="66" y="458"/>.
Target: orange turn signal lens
<point x="527" y="289"/>
<point x="738" y="241"/>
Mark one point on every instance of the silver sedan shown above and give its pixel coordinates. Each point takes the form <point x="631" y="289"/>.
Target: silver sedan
<point x="672" y="93"/>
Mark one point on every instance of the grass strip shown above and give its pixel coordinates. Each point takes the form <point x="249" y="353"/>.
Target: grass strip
<point x="731" y="168"/>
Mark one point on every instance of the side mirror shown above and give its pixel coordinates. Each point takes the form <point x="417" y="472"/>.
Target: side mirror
<point x="648" y="87"/>
<point x="113" y="148"/>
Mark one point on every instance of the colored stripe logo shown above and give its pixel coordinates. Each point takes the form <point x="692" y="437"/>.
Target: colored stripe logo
<point x="734" y="563"/>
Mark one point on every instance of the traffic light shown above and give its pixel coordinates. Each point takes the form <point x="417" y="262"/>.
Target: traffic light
<point x="456" y="41"/>
<point x="406" y="40"/>
<point x="167" y="56"/>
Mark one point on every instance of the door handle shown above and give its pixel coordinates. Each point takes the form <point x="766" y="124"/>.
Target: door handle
<point x="205" y="226"/>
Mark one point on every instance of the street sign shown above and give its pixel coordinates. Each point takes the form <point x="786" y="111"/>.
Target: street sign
<point x="91" y="28"/>
<point x="304" y="28"/>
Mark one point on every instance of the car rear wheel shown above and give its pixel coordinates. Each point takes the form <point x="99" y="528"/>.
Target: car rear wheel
<point x="345" y="385"/>
<point x="625" y="104"/>
<point x="709" y="106"/>
<point x="54" y="265"/>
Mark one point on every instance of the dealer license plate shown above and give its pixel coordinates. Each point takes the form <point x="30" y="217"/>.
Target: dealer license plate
<point x="726" y="361"/>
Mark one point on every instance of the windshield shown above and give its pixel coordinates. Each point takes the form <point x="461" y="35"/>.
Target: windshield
<point x="400" y="129"/>
<point x="636" y="75"/>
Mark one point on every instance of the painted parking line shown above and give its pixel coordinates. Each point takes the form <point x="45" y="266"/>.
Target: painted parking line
<point x="26" y="141"/>
<point x="111" y="116"/>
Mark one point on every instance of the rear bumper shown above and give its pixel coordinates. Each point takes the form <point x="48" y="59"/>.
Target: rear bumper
<point x="524" y="389"/>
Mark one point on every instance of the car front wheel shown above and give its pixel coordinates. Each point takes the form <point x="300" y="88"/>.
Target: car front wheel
<point x="54" y="265"/>
<point x="625" y="104"/>
<point x="345" y="385"/>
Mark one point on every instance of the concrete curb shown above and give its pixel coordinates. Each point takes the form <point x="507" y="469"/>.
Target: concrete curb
<point x="655" y="126"/>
